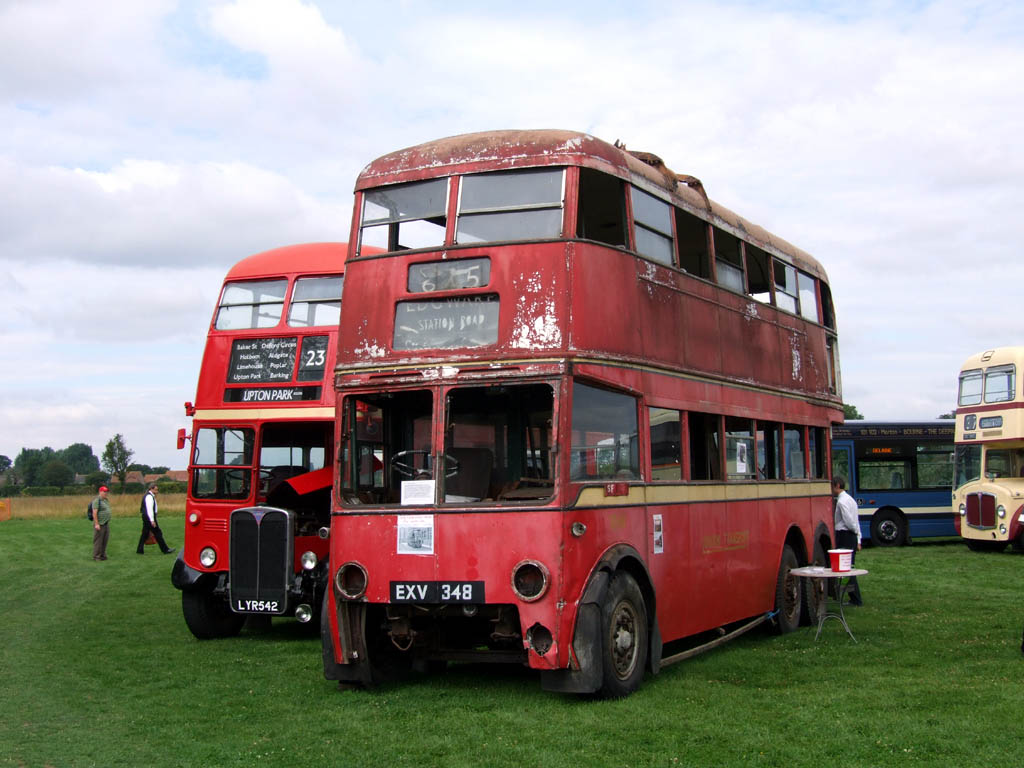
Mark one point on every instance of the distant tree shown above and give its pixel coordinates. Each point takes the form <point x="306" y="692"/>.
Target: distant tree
<point x="80" y="458"/>
<point x="95" y="479"/>
<point x="949" y="415"/>
<point x="161" y="470"/>
<point x="5" y="463"/>
<point x="851" y="412"/>
<point x="55" y="472"/>
<point x="30" y="461"/>
<point x="117" y="457"/>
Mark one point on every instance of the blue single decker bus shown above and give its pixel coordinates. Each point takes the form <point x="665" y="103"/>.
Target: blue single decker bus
<point x="901" y="474"/>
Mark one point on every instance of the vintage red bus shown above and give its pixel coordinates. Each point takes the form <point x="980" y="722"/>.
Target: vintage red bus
<point x="258" y="506"/>
<point x="583" y="424"/>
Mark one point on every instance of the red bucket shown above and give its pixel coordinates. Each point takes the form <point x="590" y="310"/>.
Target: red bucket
<point x="841" y="559"/>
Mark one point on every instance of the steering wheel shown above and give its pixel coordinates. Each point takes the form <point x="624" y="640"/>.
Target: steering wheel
<point x="406" y="469"/>
<point x="403" y="467"/>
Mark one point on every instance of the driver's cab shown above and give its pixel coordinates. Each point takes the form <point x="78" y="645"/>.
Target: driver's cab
<point x="494" y="444"/>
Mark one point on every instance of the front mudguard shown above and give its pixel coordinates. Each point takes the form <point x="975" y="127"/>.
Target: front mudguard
<point x="189" y="579"/>
<point x="586" y="641"/>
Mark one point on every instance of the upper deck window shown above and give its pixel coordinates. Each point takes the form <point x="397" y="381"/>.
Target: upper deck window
<point x="970" y="387"/>
<point x="808" y="296"/>
<point x="728" y="260"/>
<point x="510" y="205"/>
<point x="316" y="301"/>
<point x="601" y="213"/>
<point x="405" y="216"/>
<point x="785" y="286"/>
<point x="653" y="218"/>
<point x="999" y="383"/>
<point x="252" y="304"/>
<point x="759" y="269"/>
<point x="692" y="237"/>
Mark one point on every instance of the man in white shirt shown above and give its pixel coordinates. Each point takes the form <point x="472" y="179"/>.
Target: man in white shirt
<point x="847" y="523"/>
<point x="149" y="524"/>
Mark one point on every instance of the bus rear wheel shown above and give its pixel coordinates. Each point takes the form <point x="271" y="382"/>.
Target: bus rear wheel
<point x="788" y="593"/>
<point x="888" y="528"/>
<point x="624" y="637"/>
<point x="208" y="615"/>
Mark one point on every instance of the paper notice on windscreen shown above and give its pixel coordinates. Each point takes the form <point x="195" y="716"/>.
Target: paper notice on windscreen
<point x="415" y="534"/>
<point x="417" y="492"/>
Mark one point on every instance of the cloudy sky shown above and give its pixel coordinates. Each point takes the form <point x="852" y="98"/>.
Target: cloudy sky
<point x="147" y="145"/>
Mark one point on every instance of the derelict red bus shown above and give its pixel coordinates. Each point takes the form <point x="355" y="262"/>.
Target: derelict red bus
<point x="585" y="416"/>
<point x="258" y="505"/>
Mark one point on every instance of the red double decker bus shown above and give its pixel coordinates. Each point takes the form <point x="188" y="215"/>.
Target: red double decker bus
<point x="258" y="505"/>
<point x="583" y="426"/>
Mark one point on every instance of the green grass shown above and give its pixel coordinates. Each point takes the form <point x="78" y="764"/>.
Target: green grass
<point x="98" y="669"/>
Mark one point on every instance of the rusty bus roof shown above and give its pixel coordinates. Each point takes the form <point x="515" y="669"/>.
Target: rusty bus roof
<point x="501" y="150"/>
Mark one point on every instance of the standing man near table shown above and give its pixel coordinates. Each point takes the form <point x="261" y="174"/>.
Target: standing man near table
<point x="847" y="531"/>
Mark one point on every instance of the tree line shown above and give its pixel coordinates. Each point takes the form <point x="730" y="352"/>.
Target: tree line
<point x="46" y="467"/>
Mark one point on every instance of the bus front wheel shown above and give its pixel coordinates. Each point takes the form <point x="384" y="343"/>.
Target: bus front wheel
<point x="624" y="637"/>
<point x="788" y="593"/>
<point x="208" y="615"/>
<point x="888" y="528"/>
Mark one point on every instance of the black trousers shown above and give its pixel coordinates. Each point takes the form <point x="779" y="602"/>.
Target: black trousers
<point x="157" y="534"/>
<point x="848" y="540"/>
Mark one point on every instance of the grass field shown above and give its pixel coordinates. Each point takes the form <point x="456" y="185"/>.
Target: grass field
<point x="69" y="507"/>
<point x="99" y="670"/>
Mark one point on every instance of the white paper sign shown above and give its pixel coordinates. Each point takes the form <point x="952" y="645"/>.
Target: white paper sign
<point x="417" y="492"/>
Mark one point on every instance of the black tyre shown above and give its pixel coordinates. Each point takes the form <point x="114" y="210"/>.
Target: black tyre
<point x="814" y="589"/>
<point x="208" y="616"/>
<point x="888" y="528"/>
<point x="788" y="594"/>
<point x="624" y="637"/>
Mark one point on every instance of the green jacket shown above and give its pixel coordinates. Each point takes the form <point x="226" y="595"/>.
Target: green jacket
<point x="101" y="510"/>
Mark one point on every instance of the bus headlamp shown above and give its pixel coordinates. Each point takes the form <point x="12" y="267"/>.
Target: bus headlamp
<point x="207" y="557"/>
<point x="351" y="581"/>
<point x="194" y="518"/>
<point x="308" y="561"/>
<point x="1001" y="511"/>
<point x="1002" y="529"/>
<point x="530" y="580"/>
<point x="963" y="510"/>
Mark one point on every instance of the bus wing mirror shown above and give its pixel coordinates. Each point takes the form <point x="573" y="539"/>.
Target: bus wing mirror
<point x="181" y="439"/>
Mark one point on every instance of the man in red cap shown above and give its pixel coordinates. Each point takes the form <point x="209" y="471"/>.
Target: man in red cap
<point x="100" y="524"/>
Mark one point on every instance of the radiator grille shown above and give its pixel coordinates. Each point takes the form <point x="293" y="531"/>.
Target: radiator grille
<point x="261" y="552"/>
<point x="981" y="510"/>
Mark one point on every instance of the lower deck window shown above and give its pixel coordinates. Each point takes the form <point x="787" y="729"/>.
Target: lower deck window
<point x="222" y="462"/>
<point x="666" y="444"/>
<point x="604" y="435"/>
<point x="705" y="446"/>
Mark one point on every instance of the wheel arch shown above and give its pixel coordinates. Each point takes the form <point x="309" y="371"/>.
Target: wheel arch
<point x="587" y="678"/>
